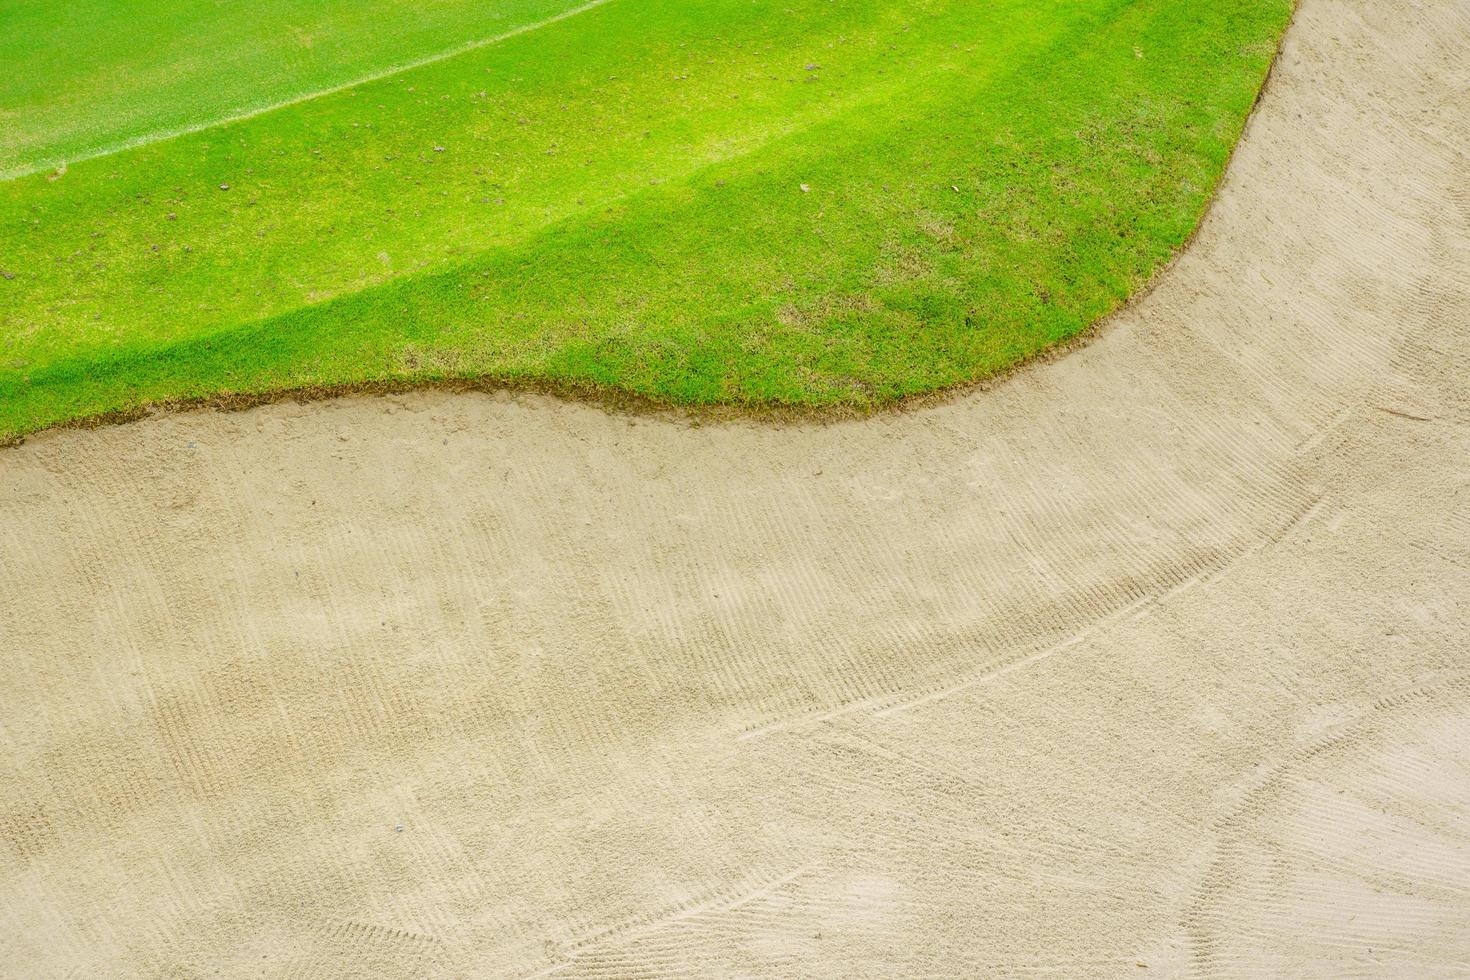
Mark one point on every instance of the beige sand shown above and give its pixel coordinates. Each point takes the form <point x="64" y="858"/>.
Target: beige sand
<point x="1154" y="657"/>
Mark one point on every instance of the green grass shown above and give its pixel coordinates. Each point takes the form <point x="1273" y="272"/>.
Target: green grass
<point x="615" y="201"/>
<point x="88" y="78"/>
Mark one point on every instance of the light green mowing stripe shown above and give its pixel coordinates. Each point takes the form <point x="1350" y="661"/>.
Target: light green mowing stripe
<point x="808" y="205"/>
<point x="92" y="78"/>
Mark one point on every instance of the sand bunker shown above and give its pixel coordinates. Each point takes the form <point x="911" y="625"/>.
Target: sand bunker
<point x="1155" y="656"/>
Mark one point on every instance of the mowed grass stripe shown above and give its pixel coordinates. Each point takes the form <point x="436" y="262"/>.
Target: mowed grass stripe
<point x="983" y="185"/>
<point x="152" y="70"/>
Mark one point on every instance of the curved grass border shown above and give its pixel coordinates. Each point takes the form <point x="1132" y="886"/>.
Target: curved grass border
<point x="619" y="400"/>
<point x="622" y="401"/>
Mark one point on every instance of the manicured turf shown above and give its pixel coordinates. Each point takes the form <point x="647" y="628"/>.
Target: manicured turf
<point x="79" y="82"/>
<point x="810" y="204"/>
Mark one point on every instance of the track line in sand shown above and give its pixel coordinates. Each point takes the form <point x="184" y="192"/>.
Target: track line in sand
<point x="243" y="649"/>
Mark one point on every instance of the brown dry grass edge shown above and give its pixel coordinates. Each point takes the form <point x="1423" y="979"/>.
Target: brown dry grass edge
<point x="622" y="402"/>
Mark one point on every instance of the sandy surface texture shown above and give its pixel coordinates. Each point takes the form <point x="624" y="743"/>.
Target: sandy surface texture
<point x="1156" y="657"/>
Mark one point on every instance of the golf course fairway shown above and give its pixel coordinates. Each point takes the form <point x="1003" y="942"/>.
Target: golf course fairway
<point x="807" y="206"/>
